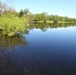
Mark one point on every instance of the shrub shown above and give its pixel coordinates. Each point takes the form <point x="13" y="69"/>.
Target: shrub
<point x="11" y="24"/>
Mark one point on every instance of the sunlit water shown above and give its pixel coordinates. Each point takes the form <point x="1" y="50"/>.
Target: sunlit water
<point x="40" y="52"/>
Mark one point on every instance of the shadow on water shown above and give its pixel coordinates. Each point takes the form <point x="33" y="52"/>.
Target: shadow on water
<point x="8" y="46"/>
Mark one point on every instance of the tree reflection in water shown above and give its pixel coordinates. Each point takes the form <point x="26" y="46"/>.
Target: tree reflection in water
<point x="7" y="45"/>
<point x="11" y="63"/>
<point x="44" y="26"/>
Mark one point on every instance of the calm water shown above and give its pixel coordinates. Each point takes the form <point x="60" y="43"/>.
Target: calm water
<point x="42" y="51"/>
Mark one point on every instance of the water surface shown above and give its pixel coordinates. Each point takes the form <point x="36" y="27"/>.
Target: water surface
<point x="43" y="51"/>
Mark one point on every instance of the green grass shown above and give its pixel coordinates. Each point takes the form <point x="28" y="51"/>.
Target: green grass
<point x="11" y="24"/>
<point x="40" y="21"/>
<point x="46" y="21"/>
<point x="49" y="21"/>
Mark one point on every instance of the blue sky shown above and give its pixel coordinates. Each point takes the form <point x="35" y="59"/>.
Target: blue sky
<point x="56" y="7"/>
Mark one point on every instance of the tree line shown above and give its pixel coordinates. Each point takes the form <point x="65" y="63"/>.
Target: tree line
<point x="39" y="17"/>
<point x="44" y="17"/>
<point x="12" y="21"/>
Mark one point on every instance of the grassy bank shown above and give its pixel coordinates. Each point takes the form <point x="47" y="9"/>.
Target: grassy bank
<point x="11" y="24"/>
<point x="54" y="22"/>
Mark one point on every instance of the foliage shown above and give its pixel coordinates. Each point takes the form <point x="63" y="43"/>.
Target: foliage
<point x="11" y="24"/>
<point x="40" y="17"/>
<point x="54" y="18"/>
<point x="21" y="13"/>
<point x="24" y="12"/>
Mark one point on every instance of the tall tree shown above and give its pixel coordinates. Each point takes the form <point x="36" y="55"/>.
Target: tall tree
<point x="21" y="13"/>
<point x="26" y="11"/>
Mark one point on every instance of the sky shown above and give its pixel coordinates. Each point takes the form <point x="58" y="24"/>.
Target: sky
<point x="55" y="7"/>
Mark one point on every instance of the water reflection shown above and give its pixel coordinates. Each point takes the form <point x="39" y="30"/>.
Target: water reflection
<point x="48" y="52"/>
<point x="10" y="42"/>
<point x="44" y="27"/>
<point x="8" y="47"/>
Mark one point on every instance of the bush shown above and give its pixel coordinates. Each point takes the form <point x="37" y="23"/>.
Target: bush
<point x="11" y="24"/>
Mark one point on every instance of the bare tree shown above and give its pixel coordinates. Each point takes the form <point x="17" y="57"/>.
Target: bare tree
<point x="2" y="7"/>
<point x="6" y="6"/>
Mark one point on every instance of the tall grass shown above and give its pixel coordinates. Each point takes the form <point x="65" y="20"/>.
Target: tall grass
<point x="11" y="24"/>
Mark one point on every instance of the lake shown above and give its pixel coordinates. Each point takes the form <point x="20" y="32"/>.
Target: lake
<point x="42" y="50"/>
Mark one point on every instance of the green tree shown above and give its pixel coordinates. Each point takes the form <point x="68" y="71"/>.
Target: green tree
<point x="21" y="13"/>
<point x="26" y="11"/>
